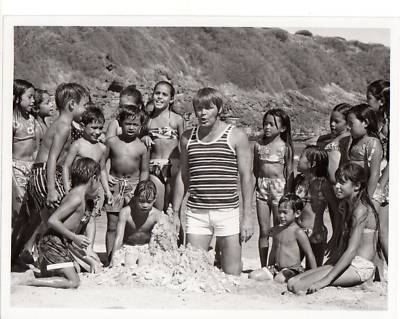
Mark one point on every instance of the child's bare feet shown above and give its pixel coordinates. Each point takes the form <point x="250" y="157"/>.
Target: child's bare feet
<point x="261" y="274"/>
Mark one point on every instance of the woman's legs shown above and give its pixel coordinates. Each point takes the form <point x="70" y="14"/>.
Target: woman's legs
<point x="159" y="204"/>
<point x="384" y="230"/>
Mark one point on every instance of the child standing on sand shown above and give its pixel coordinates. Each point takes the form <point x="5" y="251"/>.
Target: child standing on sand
<point x="24" y="141"/>
<point x="59" y="243"/>
<point x="351" y="264"/>
<point x="165" y="128"/>
<point x="129" y="164"/>
<point x="136" y="221"/>
<point x="289" y="244"/>
<point x="313" y="187"/>
<point x="273" y="162"/>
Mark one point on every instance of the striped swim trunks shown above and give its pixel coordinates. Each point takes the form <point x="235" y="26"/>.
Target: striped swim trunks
<point x="38" y="184"/>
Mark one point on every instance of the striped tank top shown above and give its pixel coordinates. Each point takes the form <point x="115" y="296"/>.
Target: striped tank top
<point x="213" y="173"/>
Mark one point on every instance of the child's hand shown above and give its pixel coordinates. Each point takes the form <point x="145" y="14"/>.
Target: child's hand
<point x="82" y="241"/>
<point x="146" y="140"/>
<point x="112" y="180"/>
<point x="109" y="198"/>
<point x="53" y="199"/>
<point x="318" y="285"/>
<point x="19" y="196"/>
<point x="246" y="229"/>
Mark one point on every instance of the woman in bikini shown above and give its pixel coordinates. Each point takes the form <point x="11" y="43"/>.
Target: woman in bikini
<point x="165" y="128"/>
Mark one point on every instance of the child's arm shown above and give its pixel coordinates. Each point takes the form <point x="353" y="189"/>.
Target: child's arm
<point x="104" y="175"/>
<point x="289" y="169"/>
<point x="358" y="224"/>
<point x="334" y="161"/>
<point x="242" y="148"/>
<point x="144" y="165"/>
<point x="255" y="167"/>
<point x="72" y="153"/>
<point x="375" y="152"/>
<point x="305" y="246"/>
<point x="119" y="236"/>
<point x="66" y="209"/>
<point x="112" y="129"/>
<point x="59" y="139"/>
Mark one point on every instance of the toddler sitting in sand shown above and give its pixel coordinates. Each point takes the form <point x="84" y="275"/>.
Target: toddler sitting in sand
<point x="137" y="220"/>
<point x="288" y="245"/>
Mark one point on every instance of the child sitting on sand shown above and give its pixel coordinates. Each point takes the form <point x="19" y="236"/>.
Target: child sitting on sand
<point x="351" y="264"/>
<point x="136" y="221"/>
<point x="129" y="164"/>
<point x="63" y="239"/>
<point x="289" y="241"/>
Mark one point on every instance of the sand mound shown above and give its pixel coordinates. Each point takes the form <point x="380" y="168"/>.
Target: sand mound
<point x="162" y="263"/>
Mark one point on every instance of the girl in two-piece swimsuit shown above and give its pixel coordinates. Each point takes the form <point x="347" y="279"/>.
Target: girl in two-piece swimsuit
<point x="273" y="161"/>
<point x="351" y="263"/>
<point x="165" y="128"/>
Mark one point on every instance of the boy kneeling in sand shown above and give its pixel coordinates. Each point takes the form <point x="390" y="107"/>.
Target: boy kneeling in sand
<point x="289" y="243"/>
<point x="63" y="239"/>
<point x="137" y="220"/>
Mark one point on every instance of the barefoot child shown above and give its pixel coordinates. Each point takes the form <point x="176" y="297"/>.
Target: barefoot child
<point x="64" y="237"/>
<point x="165" y="128"/>
<point x="43" y="109"/>
<point x="289" y="244"/>
<point x="213" y="154"/>
<point x="129" y="164"/>
<point x="352" y="263"/>
<point x="273" y="161"/>
<point x="313" y="187"/>
<point x="136" y="221"/>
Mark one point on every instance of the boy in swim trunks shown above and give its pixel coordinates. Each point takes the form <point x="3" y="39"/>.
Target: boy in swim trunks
<point x="288" y="243"/>
<point x="136" y="221"/>
<point x="129" y="164"/>
<point x="45" y="184"/>
<point x="59" y="244"/>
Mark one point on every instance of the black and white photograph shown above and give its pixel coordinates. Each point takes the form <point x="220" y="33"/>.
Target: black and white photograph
<point x="220" y="165"/>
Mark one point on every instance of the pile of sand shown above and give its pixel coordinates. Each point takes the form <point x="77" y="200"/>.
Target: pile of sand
<point x="162" y="263"/>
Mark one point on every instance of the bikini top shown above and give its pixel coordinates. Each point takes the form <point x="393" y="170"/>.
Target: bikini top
<point x="363" y="151"/>
<point x="24" y="130"/>
<point x="265" y="156"/>
<point x="166" y="132"/>
<point x="310" y="190"/>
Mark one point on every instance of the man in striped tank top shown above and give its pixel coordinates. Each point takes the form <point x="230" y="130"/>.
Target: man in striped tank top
<point x="212" y="155"/>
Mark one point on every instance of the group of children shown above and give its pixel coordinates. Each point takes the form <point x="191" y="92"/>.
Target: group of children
<point x="66" y="173"/>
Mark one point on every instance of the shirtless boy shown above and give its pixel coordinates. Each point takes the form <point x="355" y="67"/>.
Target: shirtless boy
<point x="129" y="164"/>
<point x="64" y="238"/>
<point x="137" y="220"/>
<point x="289" y="242"/>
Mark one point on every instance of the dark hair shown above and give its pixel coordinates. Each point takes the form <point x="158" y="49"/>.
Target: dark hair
<point x="127" y="111"/>
<point x="169" y="84"/>
<point x="385" y="107"/>
<point x="207" y="96"/>
<point x="39" y="94"/>
<point x="319" y="156"/>
<point x="376" y="87"/>
<point x="19" y="88"/>
<point x="66" y="92"/>
<point x="356" y="174"/>
<point x="92" y="114"/>
<point x="133" y="92"/>
<point x="145" y="191"/>
<point x="294" y="200"/>
<point x="364" y="112"/>
<point x="83" y="169"/>
<point x="286" y="135"/>
<point x="342" y="108"/>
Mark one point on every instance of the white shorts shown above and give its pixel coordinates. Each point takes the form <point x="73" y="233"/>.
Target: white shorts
<point x="220" y="222"/>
